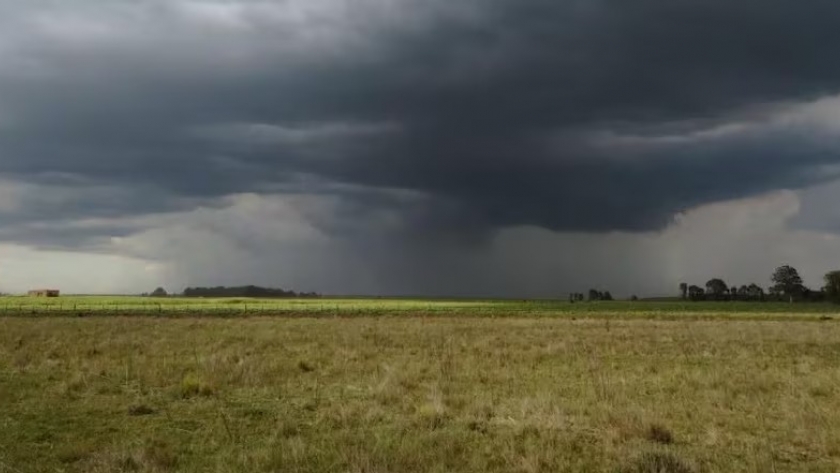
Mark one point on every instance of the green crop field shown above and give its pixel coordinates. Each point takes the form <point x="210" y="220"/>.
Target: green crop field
<point x="417" y="386"/>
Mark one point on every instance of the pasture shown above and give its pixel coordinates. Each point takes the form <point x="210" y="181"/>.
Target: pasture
<point x="316" y="307"/>
<point x="416" y="387"/>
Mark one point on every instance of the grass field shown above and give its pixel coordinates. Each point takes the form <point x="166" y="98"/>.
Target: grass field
<point x="399" y="391"/>
<point x="175" y="306"/>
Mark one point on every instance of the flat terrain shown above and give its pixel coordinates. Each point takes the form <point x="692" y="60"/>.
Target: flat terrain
<point x="179" y="306"/>
<point x="409" y="392"/>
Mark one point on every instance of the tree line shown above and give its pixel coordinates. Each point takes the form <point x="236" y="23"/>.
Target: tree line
<point x="786" y="285"/>
<point x="237" y="291"/>
<point x="594" y="295"/>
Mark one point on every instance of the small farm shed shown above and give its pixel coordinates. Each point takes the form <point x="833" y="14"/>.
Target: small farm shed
<point x="44" y="293"/>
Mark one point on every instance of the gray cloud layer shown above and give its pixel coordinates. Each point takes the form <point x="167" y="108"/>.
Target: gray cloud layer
<point x="596" y="115"/>
<point x="487" y="106"/>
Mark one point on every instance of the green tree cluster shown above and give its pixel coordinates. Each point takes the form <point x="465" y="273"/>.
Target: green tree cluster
<point x="787" y="285"/>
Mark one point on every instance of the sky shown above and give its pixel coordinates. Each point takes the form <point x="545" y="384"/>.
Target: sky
<point x="509" y="148"/>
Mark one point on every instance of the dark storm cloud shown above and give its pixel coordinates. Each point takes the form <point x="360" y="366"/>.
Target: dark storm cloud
<point x="491" y="110"/>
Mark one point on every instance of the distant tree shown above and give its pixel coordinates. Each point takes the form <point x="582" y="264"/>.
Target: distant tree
<point x="634" y="298"/>
<point x="594" y="295"/>
<point x="607" y="296"/>
<point x="813" y="296"/>
<point x="733" y="293"/>
<point x="159" y="292"/>
<point x="832" y="286"/>
<point x="762" y="294"/>
<point x="744" y="292"/>
<point x="787" y="282"/>
<point x="717" y="288"/>
<point x="684" y="290"/>
<point x="696" y="293"/>
<point x="755" y="292"/>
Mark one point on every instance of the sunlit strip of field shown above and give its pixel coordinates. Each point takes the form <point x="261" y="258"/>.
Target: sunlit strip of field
<point x="173" y="306"/>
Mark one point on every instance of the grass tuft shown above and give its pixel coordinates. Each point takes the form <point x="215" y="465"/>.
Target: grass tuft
<point x="657" y="462"/>
<point x="129" y="463"/>
<point x="191" y="386"/>
<point x="140" y="410"/>
<point x="659" y="434"/>
<point x="73" y="453"/>
<point x="305" y="366"/>
<point x="160" y="455"/>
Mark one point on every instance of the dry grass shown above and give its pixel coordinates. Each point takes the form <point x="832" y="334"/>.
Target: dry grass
<point x="417" y="395"/>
